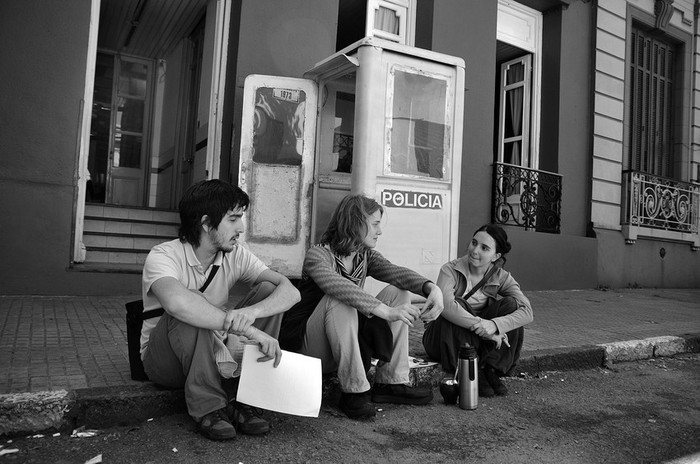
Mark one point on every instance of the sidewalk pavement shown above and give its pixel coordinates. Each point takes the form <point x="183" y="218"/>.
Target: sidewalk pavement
<point x="65" y="361"/>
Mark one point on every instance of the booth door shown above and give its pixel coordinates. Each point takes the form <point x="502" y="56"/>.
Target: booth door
<point x="276" y="168"/>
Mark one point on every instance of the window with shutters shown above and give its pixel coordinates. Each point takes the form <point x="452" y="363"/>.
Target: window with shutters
<point x="652" y="72"/>
<point x="657" y="200"/>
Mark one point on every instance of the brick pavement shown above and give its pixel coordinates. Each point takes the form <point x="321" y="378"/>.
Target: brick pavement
<point x="52" y="343"/>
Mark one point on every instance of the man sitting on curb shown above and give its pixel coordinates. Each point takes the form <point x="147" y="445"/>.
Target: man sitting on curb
<point x="198" y="341"/>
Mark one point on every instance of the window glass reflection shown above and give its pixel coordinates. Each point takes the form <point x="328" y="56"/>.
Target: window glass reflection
<point x="418" y="137"/>
<point x="278" y="136"/>
<point x="133" y="78"/>
<point x="127" y="151"/>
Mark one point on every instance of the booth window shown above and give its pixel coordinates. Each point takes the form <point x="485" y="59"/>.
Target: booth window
<point x="279" y="126"/>
<point x="419" y="131"/>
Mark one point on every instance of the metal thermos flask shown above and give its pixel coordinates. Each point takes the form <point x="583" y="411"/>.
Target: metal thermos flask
<point x="468" y="377"/>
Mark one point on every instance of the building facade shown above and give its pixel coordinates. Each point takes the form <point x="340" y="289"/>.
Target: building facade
<point x="574" y="123"/>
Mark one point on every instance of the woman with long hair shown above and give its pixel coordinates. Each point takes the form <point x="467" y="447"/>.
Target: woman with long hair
<point x="343" y="325"/>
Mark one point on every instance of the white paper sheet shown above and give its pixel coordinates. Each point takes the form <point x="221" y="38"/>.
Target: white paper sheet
<point x="293" y="387"/>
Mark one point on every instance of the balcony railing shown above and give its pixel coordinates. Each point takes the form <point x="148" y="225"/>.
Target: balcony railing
<point x="527" y="198"/>
<point x="660" y="203"/>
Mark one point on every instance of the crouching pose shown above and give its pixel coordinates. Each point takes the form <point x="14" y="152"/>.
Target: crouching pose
<point x="343" y="325"/>
<point x="484" y="307"/>
<point x="198" y="341"/>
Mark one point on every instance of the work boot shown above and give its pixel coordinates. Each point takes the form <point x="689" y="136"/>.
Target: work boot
<point x="249" y="420"/>
<point x="400" y="393"/>
<point x="216" y="426"/>
<point x="356" y="406"/>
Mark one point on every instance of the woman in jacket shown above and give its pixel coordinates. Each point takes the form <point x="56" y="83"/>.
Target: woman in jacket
<point x="491" y="318"/>
<point x="343" y="325"/>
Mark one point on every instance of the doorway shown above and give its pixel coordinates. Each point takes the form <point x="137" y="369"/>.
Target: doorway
<point x="119" y="133"/>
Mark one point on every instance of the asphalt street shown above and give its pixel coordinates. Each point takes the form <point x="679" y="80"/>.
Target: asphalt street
<point x="645" y="411"/>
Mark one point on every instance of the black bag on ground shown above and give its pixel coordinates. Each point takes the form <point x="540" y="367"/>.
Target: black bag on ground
<point x="135" y="316"/>
<point x="134" y="321"/>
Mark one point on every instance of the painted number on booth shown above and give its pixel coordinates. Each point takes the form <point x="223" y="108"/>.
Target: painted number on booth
<point x="286" y="95"/>
<point x="406" y="199"/>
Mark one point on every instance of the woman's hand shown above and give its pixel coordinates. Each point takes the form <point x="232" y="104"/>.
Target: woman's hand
<point x="406" y="313"/>
<point x="498" y="340"/>
<point x="484" y="328"/>
<point x="433" y="305"/>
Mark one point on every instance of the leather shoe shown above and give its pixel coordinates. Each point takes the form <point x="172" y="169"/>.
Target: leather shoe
<point x="356" y="406"/>
<point x="485" y="388"/>
<point x="216" y="426"/>
<point x="249" y="420"/>
<point x="495" y="381"/>
<point x="400" y="393"/>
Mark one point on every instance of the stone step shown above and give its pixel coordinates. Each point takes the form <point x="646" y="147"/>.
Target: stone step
<point x="118" y="238"/>
<point x="131" y="213"/>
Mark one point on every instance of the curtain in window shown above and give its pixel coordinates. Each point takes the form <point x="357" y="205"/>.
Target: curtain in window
<point x="386" y="20"/>
<point x="515" y="73"/>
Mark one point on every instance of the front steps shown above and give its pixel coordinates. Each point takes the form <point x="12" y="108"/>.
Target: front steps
<point x="118" y="239"/>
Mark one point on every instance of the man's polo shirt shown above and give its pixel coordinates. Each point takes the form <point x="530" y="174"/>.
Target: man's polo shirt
<point x="177" y="259"/>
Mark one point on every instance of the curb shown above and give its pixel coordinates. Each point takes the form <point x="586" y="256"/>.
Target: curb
<point x="61" y="410"/>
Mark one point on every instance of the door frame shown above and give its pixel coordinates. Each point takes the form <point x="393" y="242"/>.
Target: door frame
<point x="218" y="87"/>
<point x="521" y="26"/>
<point x="85" y="121"/>
<point x="216" y="105"/>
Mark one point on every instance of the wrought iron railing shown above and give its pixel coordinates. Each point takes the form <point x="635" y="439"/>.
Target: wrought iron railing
<point x="527" y="198"/>
<point x="660" y="203"/>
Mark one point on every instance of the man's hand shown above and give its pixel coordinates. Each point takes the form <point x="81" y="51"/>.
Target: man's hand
<point x="239" y="320"/>
<point x="433" y="305"/>
<point x="484" y="328"/>
<point x="268" y="345"/>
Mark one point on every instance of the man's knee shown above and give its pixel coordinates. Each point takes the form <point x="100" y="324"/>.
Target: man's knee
<point x="265" y="288"/>
<point x="257" y="293"/>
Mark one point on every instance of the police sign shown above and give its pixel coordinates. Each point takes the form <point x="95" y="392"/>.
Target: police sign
<point x="406" y="199"/>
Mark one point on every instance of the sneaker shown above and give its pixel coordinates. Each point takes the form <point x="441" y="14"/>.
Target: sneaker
<point x="400" y="393"/>
<point x="356" y="406"/>
<point x="485" y="388"/>
<point x="216" y="426"/>
<point x="248" y="420"/>
<point x="495" y="381"/>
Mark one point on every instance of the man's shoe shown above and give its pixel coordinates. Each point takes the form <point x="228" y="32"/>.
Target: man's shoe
<point x="485" y="388"/>
<point x="400" y="393"/>
<point x="356" y="406"/>
<point x="495" y="381"/>
<point x="248" y="420"/>
<point x="216" y="426"/>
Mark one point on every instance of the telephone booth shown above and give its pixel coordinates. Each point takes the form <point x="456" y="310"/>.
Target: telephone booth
<point x="376" y="118"/>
